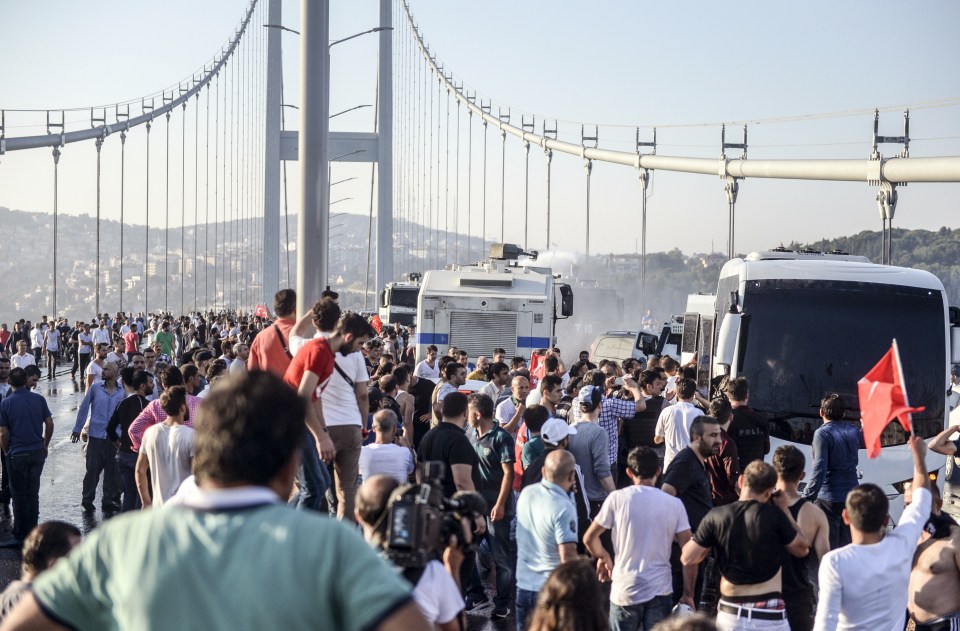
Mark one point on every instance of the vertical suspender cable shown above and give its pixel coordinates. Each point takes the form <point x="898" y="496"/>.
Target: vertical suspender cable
<point x="183" y="205"/>
<point x="588" y="167"/>
<point x="469" y="184"/>
<point x="196" y="193"/>
<point x="456" y="194"/>
<point x="644" y="182"/>
<point x="216" y="197"/>
<point x="123" y="147"/>
<point x="206" y="208"/>
<point x="526" y="195"/>
<point x="227" y="260"/>
<point x="549" y="154"/>
<point x="439" y="264"/>
<point x="446" y="189"/>
<point x="146" y="241"/>
<point x="483" y="225"/>
<point x="166" y="254"/>
<point x="433" y="236"/>
<point x="56" y="200"/>
<point x="99" y="145"/>
<point x="503" y="182"/>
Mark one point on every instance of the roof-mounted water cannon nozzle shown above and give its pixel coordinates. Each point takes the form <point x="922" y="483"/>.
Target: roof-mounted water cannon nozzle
<point x="510" y="252"/>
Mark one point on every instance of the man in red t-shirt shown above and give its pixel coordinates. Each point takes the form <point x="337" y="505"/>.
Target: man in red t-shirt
<point x="309" y="371"/>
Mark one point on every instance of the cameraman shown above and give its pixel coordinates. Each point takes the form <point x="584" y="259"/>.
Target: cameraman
<point x="436" y="592"/>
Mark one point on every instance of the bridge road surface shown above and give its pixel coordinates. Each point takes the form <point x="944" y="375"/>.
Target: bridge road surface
<point x="62" y="480"/>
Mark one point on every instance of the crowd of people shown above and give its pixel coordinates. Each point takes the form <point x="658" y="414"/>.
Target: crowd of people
<point x="261" y="453"/>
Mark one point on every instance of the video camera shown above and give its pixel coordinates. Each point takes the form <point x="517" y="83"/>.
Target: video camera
<point x="420" y="520"/>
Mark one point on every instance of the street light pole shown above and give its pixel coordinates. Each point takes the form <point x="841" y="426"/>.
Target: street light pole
<point x="313" y="220"/>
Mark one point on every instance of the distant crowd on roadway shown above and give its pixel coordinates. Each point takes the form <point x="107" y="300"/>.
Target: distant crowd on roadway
<point x="263" y="460"/>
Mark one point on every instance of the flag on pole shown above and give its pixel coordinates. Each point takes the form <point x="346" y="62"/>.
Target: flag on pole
<point x="261" y="311"/>
<point x="883" y="398"/>
<point x="377" y="323"/>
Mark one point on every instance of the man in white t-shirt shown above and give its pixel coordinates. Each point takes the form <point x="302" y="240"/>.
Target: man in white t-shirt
<point x="22" y="359"/>
<point x="645" y="522"/>
<point x="345" y="409"/>
<point x="385" y="455"/>
<point x="167" y="449"/>
<point x="435" y="592"/>
<point x="51" y="348"/>
<point x="428" y="368"/>
<point x="673" y="425"/>
<point x="863" y="585"/>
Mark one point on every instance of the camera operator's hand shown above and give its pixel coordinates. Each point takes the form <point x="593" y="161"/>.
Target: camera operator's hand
<point x="453" y="556"/>
<point x="479" y="525"/>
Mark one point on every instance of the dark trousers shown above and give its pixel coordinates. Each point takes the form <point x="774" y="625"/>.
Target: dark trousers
<point x="126" y="468"/>
<point x="101" y="458"/>
<point x="25" y="469"/>
<point x="84" y="362"/>
<point x="37" y="354"/>
<point x="505" y="559"/>
<point x="4" y="480"/>
<point x="839" y="531"/>
<point x="312" y="478"/>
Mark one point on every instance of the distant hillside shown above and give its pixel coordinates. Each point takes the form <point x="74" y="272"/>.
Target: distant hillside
<point x="937" y="252"/>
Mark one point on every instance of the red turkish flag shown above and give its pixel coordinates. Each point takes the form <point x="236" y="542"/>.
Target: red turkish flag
<point x="261" y="311"/>
<point x="376" y="323"/>
<point x="882" y="399"/>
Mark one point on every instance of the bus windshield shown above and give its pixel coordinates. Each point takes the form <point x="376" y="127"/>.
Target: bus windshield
<point x="807" y="338"/>
<point x="404" y="297"/>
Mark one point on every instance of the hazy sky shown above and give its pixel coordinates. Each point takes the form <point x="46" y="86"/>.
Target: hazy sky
<point x="614" y="63"/>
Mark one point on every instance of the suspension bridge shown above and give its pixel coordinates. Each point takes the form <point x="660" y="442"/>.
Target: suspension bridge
<point x="198" y="170"/>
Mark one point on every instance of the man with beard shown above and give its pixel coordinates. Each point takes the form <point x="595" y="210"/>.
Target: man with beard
<point x="308" y="372"/>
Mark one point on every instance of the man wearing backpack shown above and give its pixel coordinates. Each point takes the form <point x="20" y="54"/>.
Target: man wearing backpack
<point x="270" y="350"/>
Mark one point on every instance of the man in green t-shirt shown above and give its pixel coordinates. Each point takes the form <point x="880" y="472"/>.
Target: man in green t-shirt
<point x="231" y="555"/>
<point x="165" y="338"/>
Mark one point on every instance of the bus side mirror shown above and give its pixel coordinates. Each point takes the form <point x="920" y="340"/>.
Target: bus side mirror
<point x="728" y="337"/>
<point x="566" y="301"/>
<point x="955" y="345"/>
<point x="383" y="298"/>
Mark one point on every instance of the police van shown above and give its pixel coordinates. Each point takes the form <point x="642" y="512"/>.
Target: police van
<point x="496" y="303"/>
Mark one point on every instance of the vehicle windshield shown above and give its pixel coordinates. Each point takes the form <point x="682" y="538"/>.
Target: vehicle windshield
<point x="806" y="338"/>
<point x="404" y="296"/>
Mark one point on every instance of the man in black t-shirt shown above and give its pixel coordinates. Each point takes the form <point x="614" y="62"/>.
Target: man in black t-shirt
<point x="748" y="429"/>
<point x="422" y="391"/>
<point x="686" y="478"/>
<point x="448" y="443"/>
<point x="749" y="536"/>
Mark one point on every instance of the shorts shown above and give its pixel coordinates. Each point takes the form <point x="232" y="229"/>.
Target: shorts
<point x="950" y="622"/>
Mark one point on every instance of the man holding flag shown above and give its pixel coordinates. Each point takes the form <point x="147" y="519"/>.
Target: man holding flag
<point x="864" y="585"/>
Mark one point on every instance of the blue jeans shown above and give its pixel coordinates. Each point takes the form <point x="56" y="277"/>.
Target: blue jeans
<point x="642" y="616"/>
<point x="25" y="469"/>
<point x="312" y="478"/>
<point x="526" y="603"/>
<point x="127" y="465"/>
<point x="504" y="557"/>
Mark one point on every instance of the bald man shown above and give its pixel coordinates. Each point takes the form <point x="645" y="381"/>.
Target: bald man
<point x="546" y="529"/>
<point x="101" y="400"/>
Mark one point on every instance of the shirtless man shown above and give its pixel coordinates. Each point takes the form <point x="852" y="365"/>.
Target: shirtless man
<point x="935" y="579"/>
<point x="942" y="444"/>
<point x="798" y="593"/>
<point x="751" y="584"/>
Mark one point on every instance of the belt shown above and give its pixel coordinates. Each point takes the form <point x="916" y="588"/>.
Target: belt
<point x="757" y="614"/>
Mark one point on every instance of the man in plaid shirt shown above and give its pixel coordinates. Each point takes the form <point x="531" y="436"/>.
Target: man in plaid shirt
<point x="612" y="408"/>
